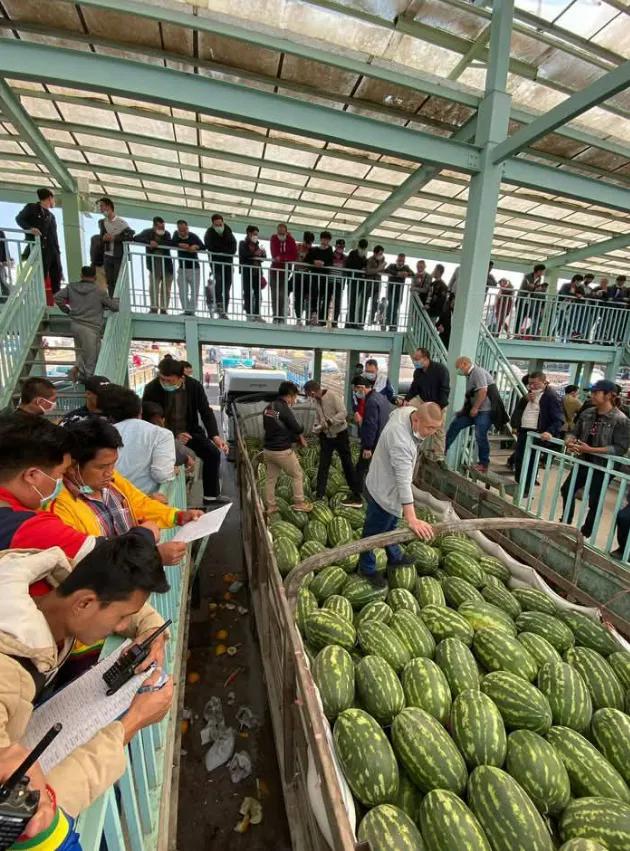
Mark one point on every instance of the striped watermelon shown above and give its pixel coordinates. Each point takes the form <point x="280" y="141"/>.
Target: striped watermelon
<point x="478" y="729"/>
<point x="325" y="627"/>
<point x="498" y="651"/>
<point x="590" y="633"/>
<point x="458" y="591"/>
<point x="600" y="679"/>
<point x="427" y="752"/>
<point x="445" y="623"/>
<point x="620" y="663"/>
<point x="282" y="529"/>
<point x="366" y="757"/>
<point x="598" y="819"/>
<point x="360" y="591"/>
<point x="330" y="580"/>
<point x="311" y="548"/>
<point x="491" y="566"/>
<point x="287" y="555"/>
<point x="582" y="845"/>
<point x="447" y="823"/>
<point x="315" y="531"/>
<point x="426" y="558"/>
<point x="520" y="703"/>
<point x="376" y="611"/>
<point x="379" y="689"/>
<point x="552" y="628"/>
<point x="388" y="828"/>
<point x="333" y="673"/>
<point x="349" y="563"/>
<point x="458" y="665"/>
<point x="413" y="633"/>
<point x="381" y="560"/>
<point x="567" y="694"/>
<point x="409" y="796"/>
<point x="426" y="686"/>
<point x="321" y="512"/>
<point x="402" y="577"/>
<point x="306" y="603"/>
<point x="341" y="605"/>
<point x="539" y="648"/>
<point x="339" y="532"/>
<point x="379" y="639"/>
<point x="486" y="616"/>
<point x="610" y="730"/>
<point x="533" y="600"/>
<point x="354" y="516"/>
<point x="401" y="598"/>
<point x="296" y="518"/>
<point x="459" y="544"/>
<point x="589" y="771"/>
<point x="463" y="566"/>
<point x="496" y="593"/>
<point x="535" y="765"/>
<point x="506" y="813"/>
<point x="428" y="590"/>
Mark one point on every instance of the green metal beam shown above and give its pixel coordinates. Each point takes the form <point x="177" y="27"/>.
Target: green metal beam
<point x="30" y="133"/>
<point x="595" y="249"/>
<point x="606" y="87"/>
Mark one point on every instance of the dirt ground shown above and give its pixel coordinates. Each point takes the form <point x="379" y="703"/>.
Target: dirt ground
<point x="209" y="803"/>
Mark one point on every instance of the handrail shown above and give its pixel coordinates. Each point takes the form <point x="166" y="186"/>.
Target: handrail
<point x="113" y="358"/>
<point x="422" y="333"/>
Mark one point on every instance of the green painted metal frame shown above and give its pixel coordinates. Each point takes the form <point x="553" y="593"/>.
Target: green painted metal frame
<point x="595" y="249"/>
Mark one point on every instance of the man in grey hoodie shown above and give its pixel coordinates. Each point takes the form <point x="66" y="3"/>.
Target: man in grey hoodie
<point x="86" y="304"/>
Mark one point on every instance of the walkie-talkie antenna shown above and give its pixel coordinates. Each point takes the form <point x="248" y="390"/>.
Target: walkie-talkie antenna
<point x="29" y="761"/>
<point x="148" y="641"/>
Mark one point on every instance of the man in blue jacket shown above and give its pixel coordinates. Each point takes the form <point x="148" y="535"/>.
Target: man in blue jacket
<point x="376" y="413"/>
<point x="540" y="412"/>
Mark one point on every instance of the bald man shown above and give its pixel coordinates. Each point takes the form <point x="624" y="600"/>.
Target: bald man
<point x="477" y="410"/>
<point x="388" y="483"/>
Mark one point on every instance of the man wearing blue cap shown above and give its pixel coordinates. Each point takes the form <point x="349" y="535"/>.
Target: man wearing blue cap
<point x="599" y="431"/>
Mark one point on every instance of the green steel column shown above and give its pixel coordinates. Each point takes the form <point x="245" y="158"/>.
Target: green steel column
<point x="394" y="360"/>
<point x="193" y="349"/>
<point x="574" y="373"/>
<point x="551" y="277"/>
<point x="535" y="365"/>
<point x="354" y="357"/>
<point x="613" y="367"/>
<point x="317" y="365"/>
<point x="492" y="126"/>
<point x="73" y="235"/>
<point x="587" y="371"/>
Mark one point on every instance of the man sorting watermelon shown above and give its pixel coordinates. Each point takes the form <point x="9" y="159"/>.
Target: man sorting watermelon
<point x="388" y="483"/>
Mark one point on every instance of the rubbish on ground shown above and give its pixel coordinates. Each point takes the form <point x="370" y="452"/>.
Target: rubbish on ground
<point x="230" y="606"/>
<point x="233" y="676"/>
<point x="193" y="677"/>
<point x="231" y="698"/>
<point x="229" y="577"/>
<point x="227" y="596"/>
<point x="221" y="634"/>
<point x="184" y="725"/>
<point x="212" y="606"/>
<point x="233" y="650"/>
<point x="187" y="714"/>
<point x="246" y="718"/>
<point x="235" y="587"/>
<point x="220" y="649"/>
<point x="240" y="766"/>
<point x="252" y="813"/>
<point x="242" y="610"/>
<point x="215" y="722"/>
<point x="221" y="750"/>
<point x="261" y="788"/>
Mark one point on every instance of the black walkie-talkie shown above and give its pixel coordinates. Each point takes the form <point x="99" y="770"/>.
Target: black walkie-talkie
<point x="18" y="803"/>
<point x="125" y="666"/>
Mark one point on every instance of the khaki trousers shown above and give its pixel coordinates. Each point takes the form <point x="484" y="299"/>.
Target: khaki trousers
<point x="434" y="447"/>
<point x="278" y="461"/>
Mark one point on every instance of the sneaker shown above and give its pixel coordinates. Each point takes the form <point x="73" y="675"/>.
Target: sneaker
<point x="352" y="502"/>
<point x="618" y="554"/>
<point x="376" y="580"/>
<point x="479" y="468"/>
<point x="302" y="506"/>
<point x="404" y="562"/>
<point x="216" y="500"/>
<point x="223" y="315"/>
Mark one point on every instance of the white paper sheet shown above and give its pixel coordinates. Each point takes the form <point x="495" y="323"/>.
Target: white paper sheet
<point x="210" y="523"/>
<point x="83" y="708"/>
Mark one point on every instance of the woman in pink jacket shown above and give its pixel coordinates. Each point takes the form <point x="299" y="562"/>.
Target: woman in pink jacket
<point x="283" y="251"/>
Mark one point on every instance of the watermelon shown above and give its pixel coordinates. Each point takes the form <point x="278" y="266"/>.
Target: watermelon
<point x="589" y="771"/>
<point x="428" y="590"/>
<point x="321" y="512"/>
<point x="325" y="627"/>
<point x="478" y="730"/>
<point x="311" y="548"/>
<point x="426" y="558"/>
<point x="491" y="566"/>
<point x="426" y="686"/>
<point x="296" y="518"/>
<point x="445" y="623"/>
<point x="598" y="819"/>
<point x="535" y="765"/>
<point x="402" y="577"/>
<point x="505" y="812"/>
<point x="610" y="730"/>
<point x="458" y="591"/>
<point x="315" y="531"/>
<point x="376" y="611"/>
<point x="388" y="828"/>
<point x="413" y="633"/>
<point x="281" y="529"/>
<point x="306" y="603"/>
<point x="379" y="689"/>
<point x="601" y="681"/>
<point x="582" y="845"/>
<point x="360" y="591"/>
<point x="381" y="559"/>
<point x="409" y="796"/>
<point x="339" y="532"/>
<point x="354" y="516"/>
<point x="522" y="705"/>
<point x="539" y="648"/>
<point x="458" y="665"/>
<point x="349" y="563"/>
<point x="567" y="694"/>
<point x="552" y="628"/>
<point x="486" y="616"/>
<point x="533" y="600"/>
<point x="287" y="555"/>
<point x="333" y="673"/>
<point x="498" y="651"/>
<point x="460" y="545"/>
<point x="590" y="633"/>
<point x="427" y="752"/>
<point x="330" y="580"/>
<point x="463" y="566"/>
<point x="496" y="593"/>
<point x="379" y="639"/>
<point x="620" y="663"/>
<point x="447" y="823"/>
<point x="366" y="757"/>
<point x="401" y="598"/>
<point x="341" y="605"/>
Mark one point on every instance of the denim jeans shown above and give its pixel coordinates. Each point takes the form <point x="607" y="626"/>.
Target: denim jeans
<point x="482" y="423"/>
<point x="378" y="520"/>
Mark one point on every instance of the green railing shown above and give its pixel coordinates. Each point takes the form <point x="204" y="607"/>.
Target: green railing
<point x="20" y="317"/>
<point x="490" y="357"/>
<point x="422" y="333"/>
<point x="134" y="815"/>
<point x="113" y="359"/>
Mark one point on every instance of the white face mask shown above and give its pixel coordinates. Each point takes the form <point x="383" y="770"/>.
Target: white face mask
<point x="218" y="228"/>
<point x="254" y="239"/>
<point x="282" y="237"/>
<point x="418" y="436"/>
<point x="362" y="252"/>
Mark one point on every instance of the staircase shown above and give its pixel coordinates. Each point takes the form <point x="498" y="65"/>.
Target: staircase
<point x="113" y="359"/>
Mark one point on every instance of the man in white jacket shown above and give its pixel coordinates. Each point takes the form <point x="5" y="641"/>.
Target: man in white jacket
<point x="388" y="483"/>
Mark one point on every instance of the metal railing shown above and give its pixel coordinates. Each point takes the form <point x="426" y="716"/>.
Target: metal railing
<point x="113" y="358"/>
<point x="133" y="815"/>
<point x="294" y="294"/>
<point x="556" y="317"/>
<point x="422" y="333"/>
<point x="20" y="315"/>
<point x="491" y="358"/>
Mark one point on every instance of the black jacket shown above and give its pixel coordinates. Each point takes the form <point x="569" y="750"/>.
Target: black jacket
<point x="35" y="216"/>
<point x="197" y="407"/>
<point x="550" y="417"/>
<point x="248" y="253"/>
<point x="221" y="245"/>
<point x="281" y="427"/>
<point x="117" y="242"/>
<point x="355" y="261"/>
<point x="432" y="384"/>
<point x="160" y="255"/>
<point x="375" y="416"/>
<point x="438" y="296"/>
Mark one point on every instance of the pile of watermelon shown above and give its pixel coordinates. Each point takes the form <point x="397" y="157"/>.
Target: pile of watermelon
<point x="465" y="715"/>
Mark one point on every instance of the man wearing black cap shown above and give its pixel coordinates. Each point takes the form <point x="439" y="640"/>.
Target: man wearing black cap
<point x="599" y="431"/>
<point x="93" y="386"/>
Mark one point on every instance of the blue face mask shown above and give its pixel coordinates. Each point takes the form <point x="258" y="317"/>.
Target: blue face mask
<point x="170" y="388"/>
<point x="418" y="364"/>
<point x="45" y="501"/>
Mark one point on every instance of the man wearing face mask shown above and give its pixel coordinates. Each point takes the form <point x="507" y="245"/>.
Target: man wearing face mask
<point x="379" y="379"/>
<point x="477" y="410"/>
<point x="221" y="245"/>
<point x="374" y="269"/>
<point x="431" y="383"/>
<point x="388" y="484"/>
<point x="250" y="256"/>
<point x="284" y="251"/>
<point x="320" y="257"/>
<point x="355" y="272"/>
<point x="159" y="263"/>
<point x="38" y="397"/>
<point x="376" y="413"/>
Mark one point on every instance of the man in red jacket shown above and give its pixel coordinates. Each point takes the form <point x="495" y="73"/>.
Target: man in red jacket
<point x="283" y="250"/>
